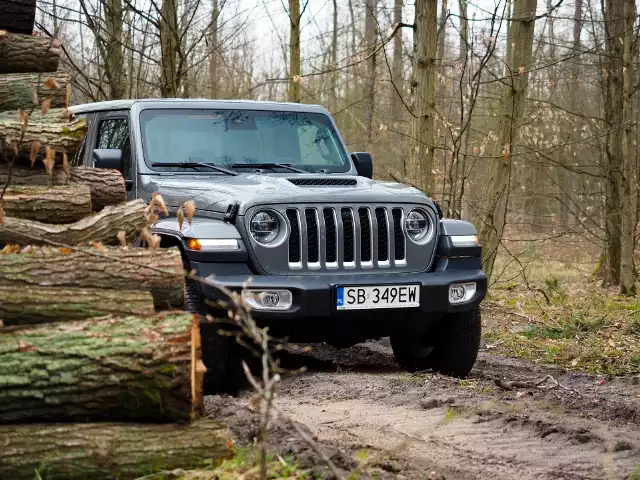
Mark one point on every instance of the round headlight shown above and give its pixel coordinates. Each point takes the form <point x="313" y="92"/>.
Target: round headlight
<point x="417" y="224"/>
<point x="264" y="227"/>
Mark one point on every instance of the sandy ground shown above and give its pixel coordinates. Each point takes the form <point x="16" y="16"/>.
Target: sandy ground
<point x="357" y="401"/>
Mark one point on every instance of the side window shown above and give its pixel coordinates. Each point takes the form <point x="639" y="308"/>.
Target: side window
<point x="114" y="133"/>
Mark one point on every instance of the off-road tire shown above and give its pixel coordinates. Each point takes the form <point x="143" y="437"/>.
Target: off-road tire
<point x="452" y="345"/>
<point x="219" y="353"/>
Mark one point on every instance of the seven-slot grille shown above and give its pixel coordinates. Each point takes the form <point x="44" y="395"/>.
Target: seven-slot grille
<point x="354" y="237"/>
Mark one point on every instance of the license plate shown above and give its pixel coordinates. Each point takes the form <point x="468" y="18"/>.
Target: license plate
<point x="383" y="296"/>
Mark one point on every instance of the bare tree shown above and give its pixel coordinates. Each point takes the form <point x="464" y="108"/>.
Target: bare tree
<point x="419" y="168"/>
<point x="370" y="38"/>
<point x="514" y="86"/>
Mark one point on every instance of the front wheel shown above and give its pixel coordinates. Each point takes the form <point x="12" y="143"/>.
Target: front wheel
<point x="450" y="346"/>
<point x="219" y="353"/>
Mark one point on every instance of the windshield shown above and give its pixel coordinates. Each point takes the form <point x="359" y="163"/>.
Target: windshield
<point x="226" y="137"/>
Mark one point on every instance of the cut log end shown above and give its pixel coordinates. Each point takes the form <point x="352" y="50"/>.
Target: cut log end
<point x="198" y="369"/>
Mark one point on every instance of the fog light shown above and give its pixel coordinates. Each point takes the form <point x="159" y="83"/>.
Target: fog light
<point x="268" y="299"/>
<point x="461" y="292"/>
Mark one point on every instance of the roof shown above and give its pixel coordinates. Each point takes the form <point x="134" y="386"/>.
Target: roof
<point x="194" y="103"/>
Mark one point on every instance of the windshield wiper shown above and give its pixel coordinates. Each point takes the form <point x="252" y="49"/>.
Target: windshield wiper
<point x="286" y="166"/>
<point x="194" y="165"/>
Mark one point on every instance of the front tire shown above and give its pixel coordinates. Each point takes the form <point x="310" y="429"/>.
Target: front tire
<point x="449" y="347"/>
<point x="219" y="354"/>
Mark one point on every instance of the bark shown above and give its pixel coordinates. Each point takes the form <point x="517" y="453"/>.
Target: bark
<point x="213" y="62"/>
<point x="494" y="210"/>
<point x="114" y="56"/>
<point x="26" y="53"/>
<point x="614" y="25"/>
<point x="464" y="31"/>
<point x="370" y="39"/>
<point x="160" y="272"/>
<point x="169" y="46"/>
<point x="294" y="51"/>
<point x="627" y="277"/>
<point x="31" y="305"/>
<point x="16" y="90"/>
<point x="420" y="160"/>
<point x="56" y="130"/>
<point x="144" y="368"/>
<point x="107" y="186"/>
<point x="441" y="51"/>
<point x="101" y="227"/>
<point x="109" y="451"/>
<point x="17" y="16"/>
<point x="65" y="204"/>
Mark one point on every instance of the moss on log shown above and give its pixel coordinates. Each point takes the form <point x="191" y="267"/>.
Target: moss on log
<point x="16" y="90"/>
<point x="28" y="53"/>
<point x="30" y="305"/>
<point x="62" y="204"/>
<point x="107" y="186"/>
<point x="138" y="368"/>
<point x="101" y="227"/>
<point x="58" y="129"/>
<point x="160" y="272"/>
<point x="109" y="451"/>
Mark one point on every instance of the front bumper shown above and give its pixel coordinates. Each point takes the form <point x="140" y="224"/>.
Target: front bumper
<point x="315" y="296"/>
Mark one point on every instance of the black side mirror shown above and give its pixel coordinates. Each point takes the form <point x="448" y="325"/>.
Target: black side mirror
<point x="108" y="158"/>
<point x="364" y="163"/>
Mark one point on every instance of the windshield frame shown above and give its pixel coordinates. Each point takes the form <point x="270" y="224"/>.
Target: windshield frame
<point x="346" y="167"/>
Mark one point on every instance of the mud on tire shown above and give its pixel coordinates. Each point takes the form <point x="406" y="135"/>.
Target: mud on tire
<point x="450" y="346"/>
<point x="219" y="352"/>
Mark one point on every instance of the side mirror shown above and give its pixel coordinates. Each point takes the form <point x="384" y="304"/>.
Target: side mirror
<point x="364" y="163"/>
<point x="108" y="158"/>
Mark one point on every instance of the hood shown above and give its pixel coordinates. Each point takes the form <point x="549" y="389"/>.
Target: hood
<point x="216" y="193"/>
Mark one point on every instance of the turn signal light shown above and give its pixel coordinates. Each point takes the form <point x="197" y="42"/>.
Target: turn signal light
<point x="194" y="244"/>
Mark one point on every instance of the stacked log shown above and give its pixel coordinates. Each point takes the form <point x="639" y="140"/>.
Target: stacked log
<point x="99" y="378"/>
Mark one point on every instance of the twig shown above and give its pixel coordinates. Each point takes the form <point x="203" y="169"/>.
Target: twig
<point x="512" y="385"/>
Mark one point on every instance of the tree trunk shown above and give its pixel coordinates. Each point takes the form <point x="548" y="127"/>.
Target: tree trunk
<point x="169" y="48"/>
<point x="213" y="62"/>
<point x="333" y="92"/>
<point x="102" y="227"/>
<point x="512" y="109"/>
<point x="420" y="160"/>
<point x="17" y="16"/>
<point x="31" y="305"/>
<point x="108" y="451"/>
<point x="64" y="204"/>
<point x="615" y="24"/>
<point x="160" y="272"/>
<point x="114" y="56"/>
<point x="396" y="71"/>
<point x="28" y="53"/>
<point x="464" y="31"/>
<point x="144" y="368"/>
<point x="16" y="90"/>
<point x="55" y="130"/>
<point x="370" y="37"/>
<point x="294" y="51"/>
<point x="107" y="186"/>
<point x="627" y="240"/>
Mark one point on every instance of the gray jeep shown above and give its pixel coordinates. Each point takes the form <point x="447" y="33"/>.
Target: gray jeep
<point x="333" y="255"/>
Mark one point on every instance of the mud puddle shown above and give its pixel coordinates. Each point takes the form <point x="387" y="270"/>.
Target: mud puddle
<point x="365" y="411"/>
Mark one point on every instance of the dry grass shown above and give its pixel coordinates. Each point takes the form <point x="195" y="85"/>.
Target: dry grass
<point x="560" y="314"/>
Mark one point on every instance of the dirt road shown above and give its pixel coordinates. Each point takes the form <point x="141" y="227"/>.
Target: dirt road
<point x="359" y="404"/>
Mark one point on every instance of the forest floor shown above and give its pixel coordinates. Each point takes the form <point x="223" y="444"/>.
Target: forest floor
<point x="370" y="417"/>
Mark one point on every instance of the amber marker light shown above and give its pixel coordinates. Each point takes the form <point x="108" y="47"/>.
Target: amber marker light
<point x="194" y="244"/>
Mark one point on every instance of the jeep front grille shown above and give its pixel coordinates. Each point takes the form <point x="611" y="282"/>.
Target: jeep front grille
<point x="345" y="238"/>
<point x="341" y="239"/>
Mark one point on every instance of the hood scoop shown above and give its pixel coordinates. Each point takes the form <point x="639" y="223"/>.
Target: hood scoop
<point x="324" y="182"/>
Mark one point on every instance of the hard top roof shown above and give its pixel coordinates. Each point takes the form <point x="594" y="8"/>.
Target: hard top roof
<point x="195" y="103"/>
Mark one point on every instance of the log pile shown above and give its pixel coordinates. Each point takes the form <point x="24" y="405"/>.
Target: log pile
<point x="99" y="377"/>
